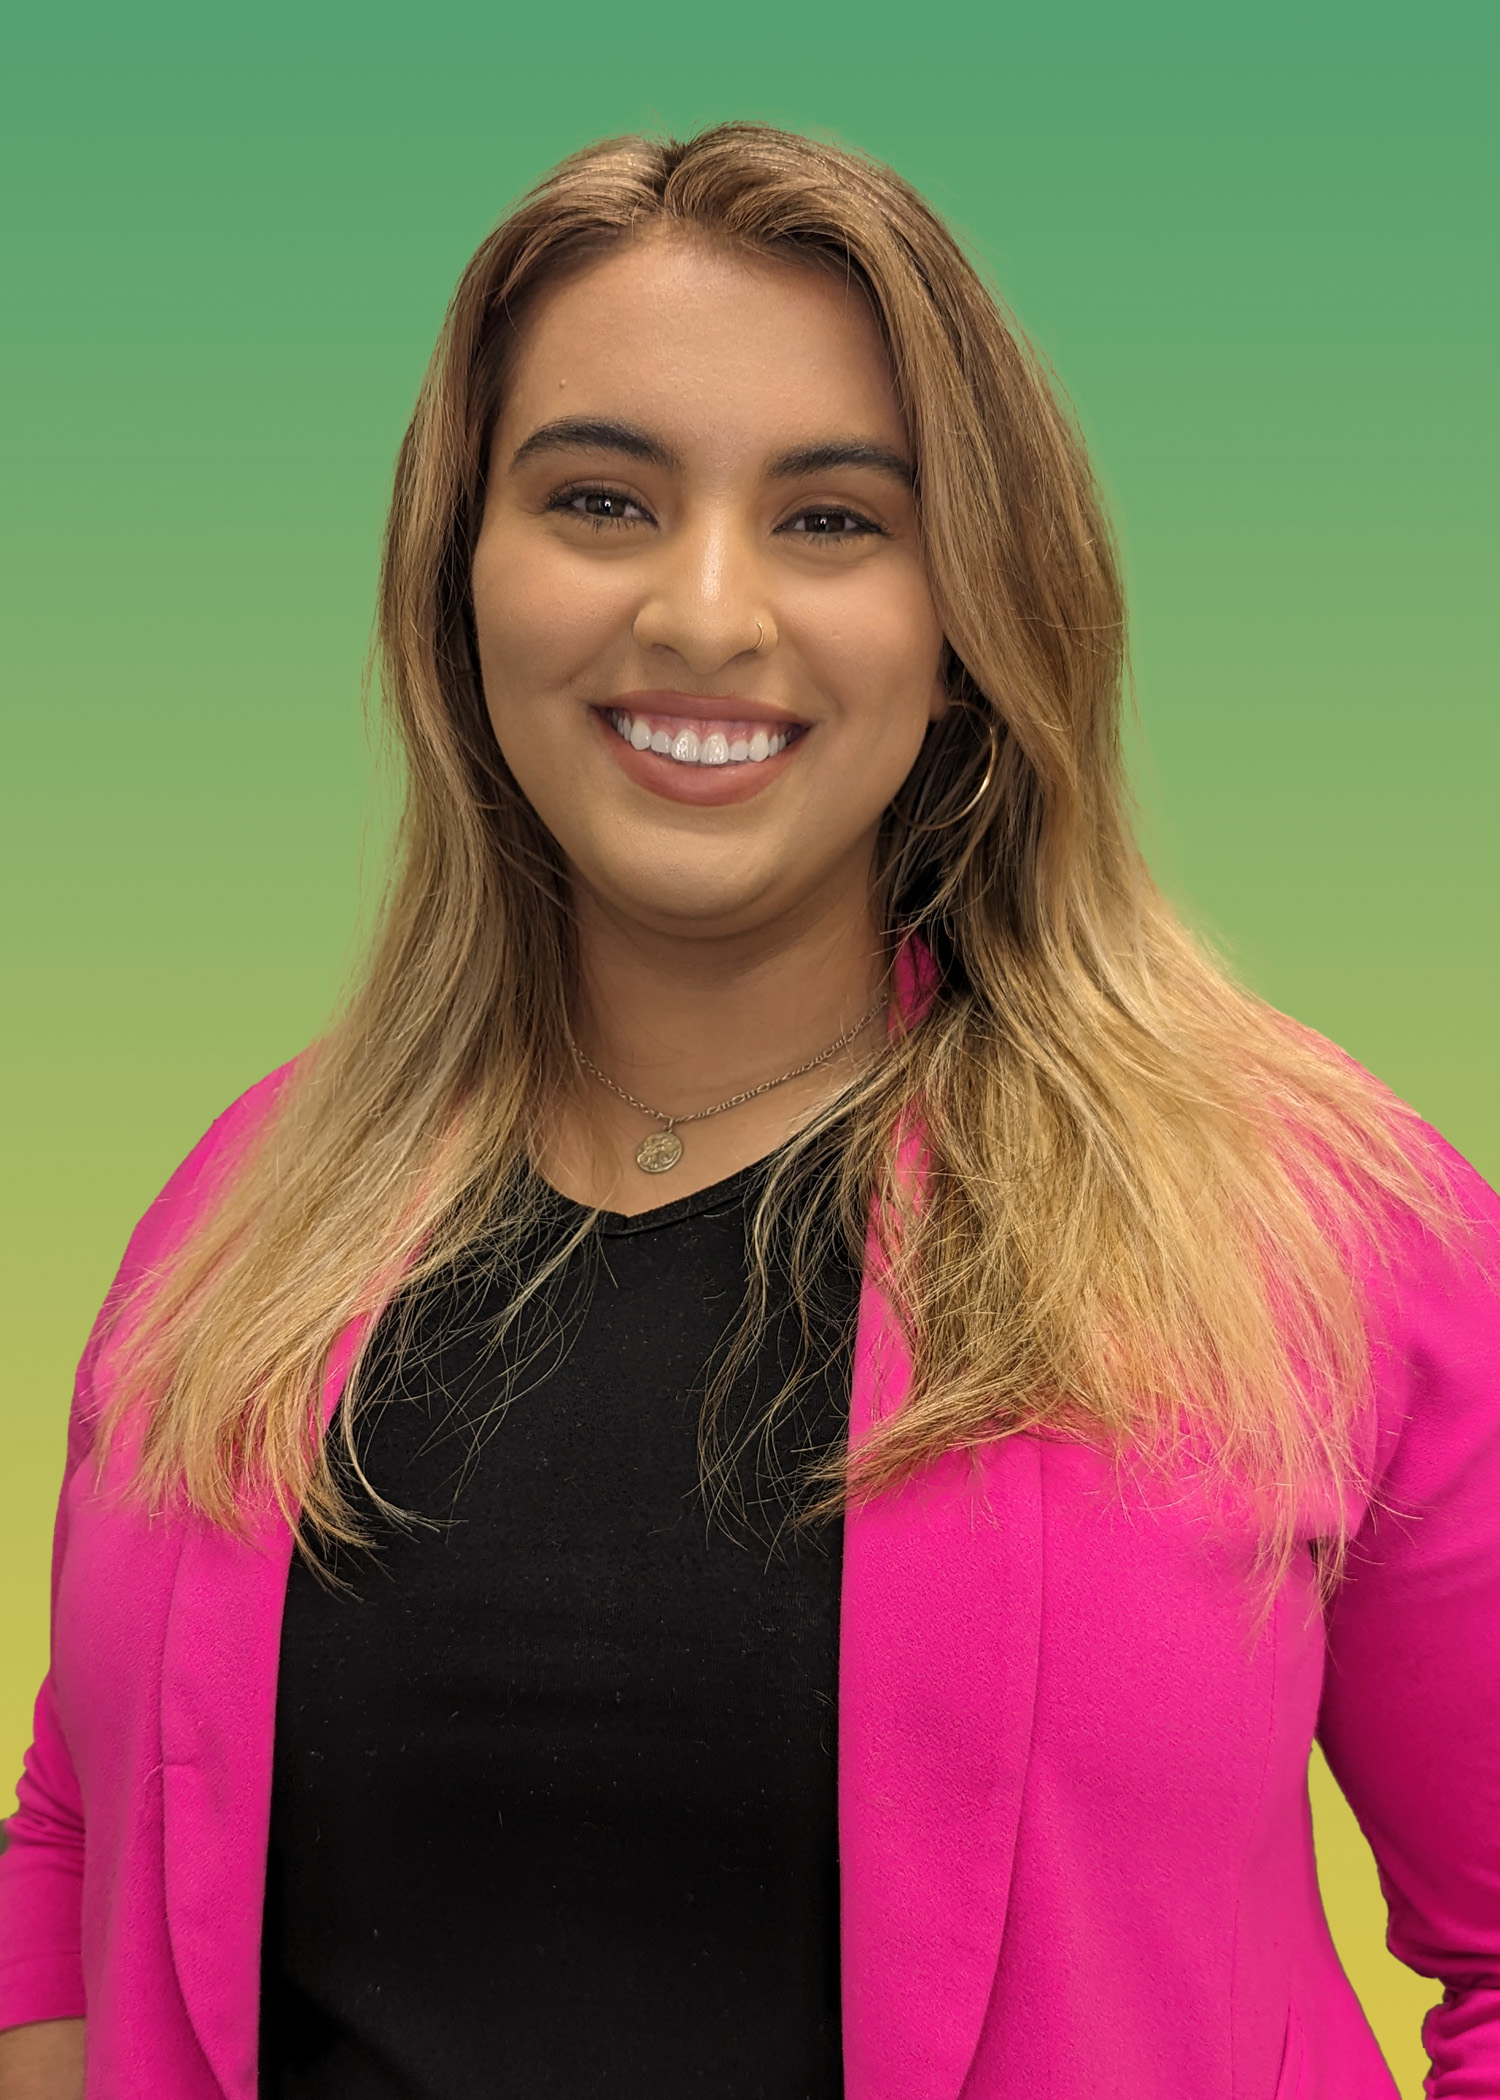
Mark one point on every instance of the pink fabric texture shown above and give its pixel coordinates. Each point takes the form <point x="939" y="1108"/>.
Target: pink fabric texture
<point x="1076" y="1849"/>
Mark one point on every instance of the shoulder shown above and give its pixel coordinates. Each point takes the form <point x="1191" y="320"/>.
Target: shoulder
<point x="194" y="1184"/>
<point x="1419" y="1273"/>
<point x="1430" y="1276"/>
<point x="1434" y="1300"/>
<point x="183" y="1201"/>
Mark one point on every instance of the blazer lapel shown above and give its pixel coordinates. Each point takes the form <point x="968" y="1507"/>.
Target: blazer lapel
<point x="939" y="1636"/>
<point x="218" y="1719"/>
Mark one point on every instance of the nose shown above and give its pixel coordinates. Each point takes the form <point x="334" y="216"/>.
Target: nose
<point x="703" y="603"/>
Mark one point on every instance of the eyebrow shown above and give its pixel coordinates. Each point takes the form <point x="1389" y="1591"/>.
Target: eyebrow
<point x="595" y="434"/>
<point x="604" y="434"/>
<point x="843" y="452"/>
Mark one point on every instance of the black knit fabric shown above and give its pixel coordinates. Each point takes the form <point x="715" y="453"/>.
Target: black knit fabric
<point x="554" y="1807"/>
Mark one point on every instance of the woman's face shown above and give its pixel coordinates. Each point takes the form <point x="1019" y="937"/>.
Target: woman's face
<point x="697" y="450"/>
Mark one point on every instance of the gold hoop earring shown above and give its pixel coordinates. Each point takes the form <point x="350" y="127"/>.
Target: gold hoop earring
<point x="946" y="823"/>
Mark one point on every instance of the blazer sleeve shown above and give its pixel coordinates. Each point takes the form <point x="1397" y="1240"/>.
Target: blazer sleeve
<point x="41" y="1868"/>
<point x="42" y="1864"/>
<point x="1410" y="1717"/>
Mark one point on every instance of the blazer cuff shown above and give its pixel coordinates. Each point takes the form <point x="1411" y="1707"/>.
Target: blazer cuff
<point x="43" y="1986"/>
<point x="41" y="1959"/>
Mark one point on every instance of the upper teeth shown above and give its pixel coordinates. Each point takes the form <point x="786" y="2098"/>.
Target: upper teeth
<point x="689" y="749"/>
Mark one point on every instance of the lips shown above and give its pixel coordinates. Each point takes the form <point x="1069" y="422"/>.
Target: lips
<point x="705" y="750"/>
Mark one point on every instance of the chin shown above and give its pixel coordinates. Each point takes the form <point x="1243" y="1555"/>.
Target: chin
<point x="695" y="895"/>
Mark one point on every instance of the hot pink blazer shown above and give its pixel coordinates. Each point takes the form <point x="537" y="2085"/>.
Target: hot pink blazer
<point x="1073" y="1815"/>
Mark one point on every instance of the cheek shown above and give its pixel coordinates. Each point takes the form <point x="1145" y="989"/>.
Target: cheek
<point x="881" y="655"/>
<point x="539" y="622"/>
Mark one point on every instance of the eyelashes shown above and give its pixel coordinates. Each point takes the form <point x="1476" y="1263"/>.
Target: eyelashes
<point x="611" y="509"/>
<point x="854" y="524"/>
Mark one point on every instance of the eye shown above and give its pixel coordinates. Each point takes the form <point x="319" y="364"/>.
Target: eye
<point x="830" y="521"/>
<point x="600" y="506"/>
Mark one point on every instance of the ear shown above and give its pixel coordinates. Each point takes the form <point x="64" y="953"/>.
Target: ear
<point x="946" y="677"/>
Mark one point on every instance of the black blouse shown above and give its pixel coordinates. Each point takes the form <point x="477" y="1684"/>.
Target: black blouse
<point x="554" y="1807"/>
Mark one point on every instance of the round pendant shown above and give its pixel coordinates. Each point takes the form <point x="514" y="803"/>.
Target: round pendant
<point x="659" y="1152"/>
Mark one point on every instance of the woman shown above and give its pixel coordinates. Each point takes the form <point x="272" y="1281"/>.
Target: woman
<point x="850" y="1404"/>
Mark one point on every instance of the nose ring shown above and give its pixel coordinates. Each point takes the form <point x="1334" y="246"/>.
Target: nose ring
<point x="760" y="635"/>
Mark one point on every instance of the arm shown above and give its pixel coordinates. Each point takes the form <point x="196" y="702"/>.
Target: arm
<point x="42" y="1991"/>
<point x="1410" y="1719"/>
<point x="43" y="2061"/>
<point x="41" y="1868"/>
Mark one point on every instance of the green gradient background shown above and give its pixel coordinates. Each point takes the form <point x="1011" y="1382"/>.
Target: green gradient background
<point x="1254" y="248"/>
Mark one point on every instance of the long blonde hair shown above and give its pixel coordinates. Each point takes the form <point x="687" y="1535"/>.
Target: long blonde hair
<point x="1141" y="1193"/>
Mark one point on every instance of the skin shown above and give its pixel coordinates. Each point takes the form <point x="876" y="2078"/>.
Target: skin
<point x="696" y="446"/>
<point x="42" y="2062"/>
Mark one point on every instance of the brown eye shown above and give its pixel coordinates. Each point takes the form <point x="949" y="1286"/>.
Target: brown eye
<point x="600" y="506"/>
<point x="830" y="524"/>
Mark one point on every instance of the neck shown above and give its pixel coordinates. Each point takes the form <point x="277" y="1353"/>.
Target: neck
<point x="683" y="1021"/>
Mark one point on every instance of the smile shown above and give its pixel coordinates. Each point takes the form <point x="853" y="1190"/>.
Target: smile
<point x="707" y="743"/>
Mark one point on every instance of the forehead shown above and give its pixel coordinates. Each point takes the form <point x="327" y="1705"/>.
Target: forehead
<point x="712" y="348"/>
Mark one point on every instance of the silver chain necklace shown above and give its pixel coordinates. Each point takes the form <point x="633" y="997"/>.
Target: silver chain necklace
<point x="660" y="1151"/>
